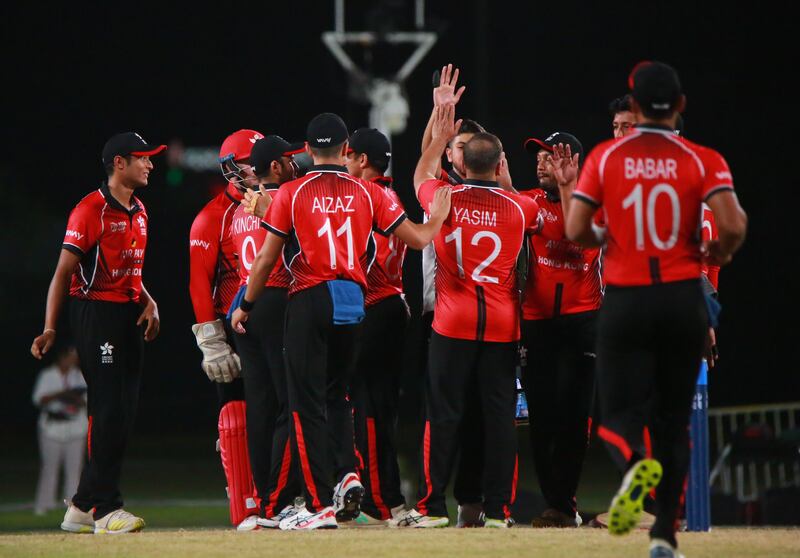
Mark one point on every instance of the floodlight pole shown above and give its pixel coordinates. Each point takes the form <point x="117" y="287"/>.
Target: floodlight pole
<point x="388" y="106"/>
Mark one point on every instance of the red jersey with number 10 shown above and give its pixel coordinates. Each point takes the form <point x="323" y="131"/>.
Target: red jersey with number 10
<point x="385" y="277"/>
<point x="651" y="185"/>
<point x="327" y="218"/>
<point x="248" y="235"/>
<point x="476" y="258"/>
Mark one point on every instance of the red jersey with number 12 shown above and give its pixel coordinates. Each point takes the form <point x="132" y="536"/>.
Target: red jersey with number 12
<point x="476" y="258"/>
<point x="327" y="218"/>
<point x="248" y="235"/>
<point x="651" y="185"/>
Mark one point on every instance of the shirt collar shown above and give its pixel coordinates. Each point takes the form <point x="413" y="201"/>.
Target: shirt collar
<point x="653" y="128"/>
<point x="385" y="181"/>
<point x="112" y="201"/>
<point x="233" y="193"/>
<point x="481" y="183"/>
<point x="328" y="168"/>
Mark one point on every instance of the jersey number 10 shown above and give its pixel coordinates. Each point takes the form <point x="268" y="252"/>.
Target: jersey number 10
<point x="636" y="199"/>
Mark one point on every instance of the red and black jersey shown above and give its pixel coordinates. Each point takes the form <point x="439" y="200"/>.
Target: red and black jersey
<point x="327" y="218"/>
<point x="213" y="276"/>
<point x="651" y="185"/>
<point x="476" y="256"/>
<point x="710" y="233"/>
<point x="564" y="277"/>
<point x="248" y="235"/>
<point x="385" y="277"/>
<point x="110" y="241"/>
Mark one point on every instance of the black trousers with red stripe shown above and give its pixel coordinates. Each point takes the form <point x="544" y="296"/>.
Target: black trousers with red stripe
<point x="110" y="346"/>
<point x="559" y="384"/>
<point x="453" y="365"/>
<point x="261" y="352"/>
<point x="650" y="344"/>
<point x="374" y="393"/>
<point x="320" y="362"/>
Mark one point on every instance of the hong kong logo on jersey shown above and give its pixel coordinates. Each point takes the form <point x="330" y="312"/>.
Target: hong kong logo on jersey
<point x="142" y="225"/>
<point x="106" y="353"/>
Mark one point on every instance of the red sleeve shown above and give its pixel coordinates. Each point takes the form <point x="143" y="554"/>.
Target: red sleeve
<point x="426" y="191"/>
<point x="534" y="221"/>
<point x="278" y="219"/>
<point x="387" y="212"/>
<point x="83" y="229"/>
<point x="589" y="187"/>
<point x="203" y="257"/>
<point x="718" y="176"/>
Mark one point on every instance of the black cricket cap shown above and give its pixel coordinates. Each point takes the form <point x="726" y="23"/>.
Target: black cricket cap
<point x="271" y="148"/>
<point x="326" y="130"/>
<point x="374" y="144"/>
<point x="655" y="86"/>
<point x="128" y="143"/>
<point x="533" y="145"/>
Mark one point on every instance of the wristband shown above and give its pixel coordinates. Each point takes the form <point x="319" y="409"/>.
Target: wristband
<point x="246" y="306"/>
<point x="48" y="329"/>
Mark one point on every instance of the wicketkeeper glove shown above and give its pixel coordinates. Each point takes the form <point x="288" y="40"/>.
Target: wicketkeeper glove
<point x="220" y="363"/>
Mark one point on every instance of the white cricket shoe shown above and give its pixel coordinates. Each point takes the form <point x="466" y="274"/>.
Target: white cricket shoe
<point x="347" y="496"/>
<point x="77" y="521"/>
<point x="291" y="510"/>
<point x="659" y="548"/>
<point x="305" y="520"/>
<point x="249" y="523"/>
<point x="118" y="522"/>
<point x="415" y="520"/>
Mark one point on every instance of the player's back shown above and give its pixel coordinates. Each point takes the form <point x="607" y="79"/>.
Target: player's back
<point x="476" y="256"/>
<point x="327" y="218"/>
<point x="651" y="185"/>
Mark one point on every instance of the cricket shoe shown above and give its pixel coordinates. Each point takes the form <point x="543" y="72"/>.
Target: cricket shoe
<point x="347" y="496"/>
<point x="291" y="510"/>
<point x="659" y="548"/>
<point x="552" y="518"/>
<point x="249" y="523"/>
<point x="307" y="521"/>
<point x="627" y="505"/>
<point x="77" y="521"/>
<point x="470" y="515"/>
<point x="489" y="523"/>
<point x="415" y="520"/>
<point x="118" y="522"/>
<point x="363" y="520"/>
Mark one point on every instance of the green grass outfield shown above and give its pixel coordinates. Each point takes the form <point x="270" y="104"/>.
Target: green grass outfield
<point x="378" y="543"/>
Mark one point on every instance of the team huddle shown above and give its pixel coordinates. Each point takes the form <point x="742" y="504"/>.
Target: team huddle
<point x="601" y="275"/>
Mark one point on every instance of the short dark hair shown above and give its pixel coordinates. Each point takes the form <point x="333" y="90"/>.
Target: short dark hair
<point x="620" y="104"/>
<point x="482" y="153"/>
<point x="326" y="152"/>
<point x="110" y="166"/>
<point x="469" y="126"/>
<point x="379" y="165"/>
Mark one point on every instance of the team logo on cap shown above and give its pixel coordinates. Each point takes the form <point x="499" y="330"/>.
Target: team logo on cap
<point x="140" y="137"/>
<point x="323" y="140"/>
<point x="552" y="136"/>
<point x="256" y="137"/>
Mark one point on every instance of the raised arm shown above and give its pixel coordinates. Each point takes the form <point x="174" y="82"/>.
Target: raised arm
<point x="443" y="94"/>
<point x="443" y="129"/>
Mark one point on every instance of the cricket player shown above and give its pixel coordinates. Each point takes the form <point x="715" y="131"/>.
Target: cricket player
<point x="213" y="282"/>
<point x="475" y="325"/>
<point x="375" y="390"/>
<point x="652" y="326"/>
<point x="562" y="295"/>
<point x="100" y="268"/>
<point x="261" y="346"/>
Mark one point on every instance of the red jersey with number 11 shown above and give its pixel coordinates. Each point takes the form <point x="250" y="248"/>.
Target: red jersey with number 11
<point x="651" y="185"/>
<point x="476" y="257"/>
<point x="327" y="218"/>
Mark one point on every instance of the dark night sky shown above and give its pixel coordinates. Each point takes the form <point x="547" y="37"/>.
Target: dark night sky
<point x="75" y="75"/>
